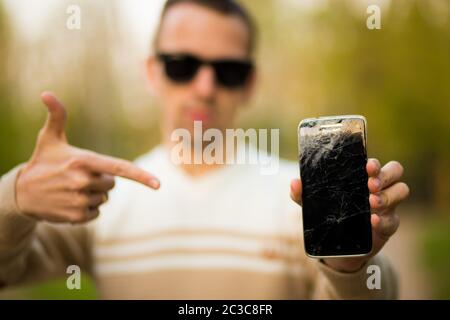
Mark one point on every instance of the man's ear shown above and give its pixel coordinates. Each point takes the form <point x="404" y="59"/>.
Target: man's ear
<point x="151" y="65"/>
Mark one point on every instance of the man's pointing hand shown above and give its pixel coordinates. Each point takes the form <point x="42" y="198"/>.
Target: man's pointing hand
<point x="61" y="183"/>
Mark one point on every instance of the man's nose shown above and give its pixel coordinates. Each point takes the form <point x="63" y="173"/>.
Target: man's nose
<point x="205" y="82"/>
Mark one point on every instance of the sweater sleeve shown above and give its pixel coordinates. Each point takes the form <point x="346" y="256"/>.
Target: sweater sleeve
<point x="331" y="284"/>
<point x="33" y="251"/>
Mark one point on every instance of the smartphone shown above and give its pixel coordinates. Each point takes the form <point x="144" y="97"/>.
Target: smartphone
<point x="335" y="194"/>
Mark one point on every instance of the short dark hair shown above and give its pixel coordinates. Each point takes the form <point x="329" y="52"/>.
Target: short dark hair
<point x="226" y="7"/>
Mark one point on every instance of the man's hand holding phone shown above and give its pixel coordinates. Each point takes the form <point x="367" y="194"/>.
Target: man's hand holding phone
<point x="386" y="192"/>
<point x="61" y="183"/>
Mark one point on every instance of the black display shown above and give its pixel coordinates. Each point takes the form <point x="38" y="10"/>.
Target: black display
<point x="336" y="209"/>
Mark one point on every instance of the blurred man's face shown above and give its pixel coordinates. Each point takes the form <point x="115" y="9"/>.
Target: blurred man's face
<point x="201" y="32"/>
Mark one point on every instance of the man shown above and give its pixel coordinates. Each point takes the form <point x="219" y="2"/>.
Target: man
<point x="211" y="230"/>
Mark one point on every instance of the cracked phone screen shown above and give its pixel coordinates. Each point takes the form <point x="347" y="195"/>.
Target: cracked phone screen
<point x="335" y="197"/>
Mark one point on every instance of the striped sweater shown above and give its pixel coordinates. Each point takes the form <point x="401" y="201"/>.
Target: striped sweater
<point x="230" y="234"/>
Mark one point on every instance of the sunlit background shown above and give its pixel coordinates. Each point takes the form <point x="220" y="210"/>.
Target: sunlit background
<point x="314" y="57"/>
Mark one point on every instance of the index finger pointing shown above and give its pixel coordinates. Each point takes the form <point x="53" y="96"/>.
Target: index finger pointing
<point x="119" y="167"/>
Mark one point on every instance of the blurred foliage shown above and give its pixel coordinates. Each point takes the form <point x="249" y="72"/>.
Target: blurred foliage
<point x="54" y="289"/>
<point x="327" y="62"/>
<point x="57" y="290"/>
<point x="81" y="69"/>
<point x="436" y="254"/>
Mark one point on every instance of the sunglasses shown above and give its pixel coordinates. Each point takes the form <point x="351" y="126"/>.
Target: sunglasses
<point x="182" y="68"/>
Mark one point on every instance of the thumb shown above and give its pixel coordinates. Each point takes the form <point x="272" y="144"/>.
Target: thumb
<point x="56" y="119"/>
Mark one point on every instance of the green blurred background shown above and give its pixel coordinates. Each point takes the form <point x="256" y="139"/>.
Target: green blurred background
<point x="314" y="57"/>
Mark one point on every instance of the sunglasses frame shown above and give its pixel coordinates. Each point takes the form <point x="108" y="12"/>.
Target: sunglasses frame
<point x="246" y="66"/>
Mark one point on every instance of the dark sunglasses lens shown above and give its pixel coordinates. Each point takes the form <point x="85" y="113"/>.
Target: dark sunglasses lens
<point x="180" y="68"/>
<point x="232" y="74"/>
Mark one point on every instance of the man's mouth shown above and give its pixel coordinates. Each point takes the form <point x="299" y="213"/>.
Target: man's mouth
<point x="199" y="115"/>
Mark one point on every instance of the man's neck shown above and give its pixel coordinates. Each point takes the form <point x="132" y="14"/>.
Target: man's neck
<point x="194" y="169"/>
<point x="197" y="170"/>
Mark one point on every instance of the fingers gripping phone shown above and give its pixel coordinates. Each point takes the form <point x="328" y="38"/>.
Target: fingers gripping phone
<point x="335" y="195"/>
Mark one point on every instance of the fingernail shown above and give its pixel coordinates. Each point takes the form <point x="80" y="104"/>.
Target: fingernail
<point x="377" y="183"/>
<point x="155" y="183"/>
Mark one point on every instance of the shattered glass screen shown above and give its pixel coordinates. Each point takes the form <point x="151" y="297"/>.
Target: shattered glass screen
<point x="336" y="209"/>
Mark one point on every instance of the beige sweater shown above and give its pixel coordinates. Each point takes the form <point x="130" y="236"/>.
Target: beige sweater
<point x="233" y="234"/>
